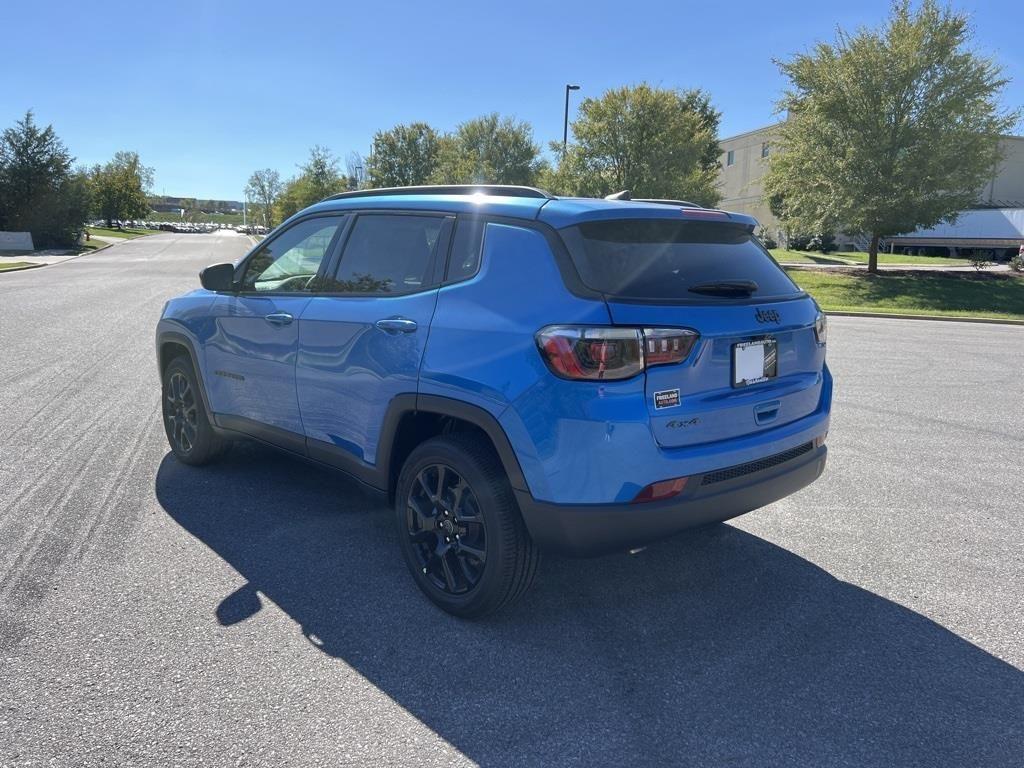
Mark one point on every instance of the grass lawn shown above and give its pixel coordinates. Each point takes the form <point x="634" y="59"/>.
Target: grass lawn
<point x="5" y="265"/>
<point x="804" y="257"/>
<point x="960" y="294"/>
<point x="125" y="234"/>
<point x="896" y="258"/>
<point x="809" y="257"/>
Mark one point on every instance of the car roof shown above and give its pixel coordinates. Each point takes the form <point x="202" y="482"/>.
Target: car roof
<point x="558" y="212"/>
<point x="567" y="211"/>
<point x="494" y="205"/>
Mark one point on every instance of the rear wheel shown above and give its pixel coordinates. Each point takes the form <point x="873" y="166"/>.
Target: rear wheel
<point x="459" y="527"/>
<point x="189" y="432"/>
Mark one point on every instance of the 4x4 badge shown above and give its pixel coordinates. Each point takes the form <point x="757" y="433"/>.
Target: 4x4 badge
<point x="766" y="316"/>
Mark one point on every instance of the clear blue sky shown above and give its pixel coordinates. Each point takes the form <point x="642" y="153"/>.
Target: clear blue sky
<point x="208" y="91"/>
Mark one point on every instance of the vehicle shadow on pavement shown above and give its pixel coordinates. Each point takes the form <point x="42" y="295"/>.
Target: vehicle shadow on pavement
<point x="715" y="647"/>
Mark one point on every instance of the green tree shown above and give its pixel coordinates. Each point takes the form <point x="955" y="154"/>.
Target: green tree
<point x="888" y="129"/>
<point x="321" y="172"/>
<point x="39" y="191"/>
<point x="264" y="189"/>
<point x="655" y="142"/>
<point x="120" y="187"/>
<point x="488" y="149"/>
<point x="319" y="177"/>
<point x="403" y="156"/>
<point x="355" y="168"/>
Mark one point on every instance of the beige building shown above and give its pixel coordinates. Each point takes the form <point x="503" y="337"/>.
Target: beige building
<point x="745" y="157"/>
<point x="743" y="164"/>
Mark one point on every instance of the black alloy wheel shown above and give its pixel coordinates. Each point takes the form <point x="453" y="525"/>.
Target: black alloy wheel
<point x="181" y="412"/>
<point x="192" y="438"/>
<point x="459" y="527"/>
<point x="447" y="530"/>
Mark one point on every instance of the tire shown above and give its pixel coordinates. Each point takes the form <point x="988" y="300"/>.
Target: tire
<point x="189" y="433"/>
<point x="442" y="542"/>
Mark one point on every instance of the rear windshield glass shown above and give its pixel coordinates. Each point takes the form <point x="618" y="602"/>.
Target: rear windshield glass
<point x="659" y="259"/>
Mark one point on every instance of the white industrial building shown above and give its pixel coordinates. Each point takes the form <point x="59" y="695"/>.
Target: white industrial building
<point x="996" y="226"/>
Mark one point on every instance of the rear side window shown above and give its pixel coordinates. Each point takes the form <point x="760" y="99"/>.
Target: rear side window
<point x="389" y="254"/>
<point x="466" y="243"/>
<point x="663" y="260"/>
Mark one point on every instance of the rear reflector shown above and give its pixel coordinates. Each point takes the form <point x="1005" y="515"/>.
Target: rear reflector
<point x="663" y="489"/>
<point x="608" y="353"/>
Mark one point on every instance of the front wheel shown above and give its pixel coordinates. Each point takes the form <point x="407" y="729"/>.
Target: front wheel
<point x="459" y="527"/>
<point x="189" y="432"/>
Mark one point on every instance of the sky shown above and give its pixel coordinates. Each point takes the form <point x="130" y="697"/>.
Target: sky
<point x="207" y="92"/>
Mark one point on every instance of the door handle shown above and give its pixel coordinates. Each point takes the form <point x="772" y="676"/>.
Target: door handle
<point x="397" y="325"/>
<point x="279" y="318"/>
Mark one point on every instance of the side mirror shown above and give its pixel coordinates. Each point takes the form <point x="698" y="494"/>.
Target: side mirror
<point x="218" y="277"/>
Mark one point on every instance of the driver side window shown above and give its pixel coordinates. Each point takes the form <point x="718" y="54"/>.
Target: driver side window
<point x="290" y="261"/>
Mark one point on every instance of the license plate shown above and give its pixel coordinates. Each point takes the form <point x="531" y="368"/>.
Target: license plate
<point x="754" y="362"/>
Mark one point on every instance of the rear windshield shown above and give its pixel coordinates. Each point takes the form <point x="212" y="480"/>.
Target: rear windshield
<point x="657" y="259"/>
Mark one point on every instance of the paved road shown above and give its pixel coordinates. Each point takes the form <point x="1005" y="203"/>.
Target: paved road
<point x="257" y="613"/>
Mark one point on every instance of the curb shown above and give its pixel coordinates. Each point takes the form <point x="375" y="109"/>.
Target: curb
<point x="62" y="261"/>
<point x="22" y="269"/>
<point x="941" y="318"/>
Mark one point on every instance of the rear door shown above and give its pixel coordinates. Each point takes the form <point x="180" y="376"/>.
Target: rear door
<point x="362" y="338"/>
<point x="757" y="364"/>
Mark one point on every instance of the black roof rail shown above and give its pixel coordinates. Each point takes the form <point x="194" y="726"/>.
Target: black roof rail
<point x="682" y="203"/>
<point x="498" y="190"/>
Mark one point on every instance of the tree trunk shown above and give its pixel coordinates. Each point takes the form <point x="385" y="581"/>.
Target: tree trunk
<point x="873" y="254"/>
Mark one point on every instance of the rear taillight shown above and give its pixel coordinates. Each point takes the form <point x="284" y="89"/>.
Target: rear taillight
<point x="663" y="346"/>
<point x="821" y="328"/>
<point x="577" y="352"/>
<point x="605" y="353"/>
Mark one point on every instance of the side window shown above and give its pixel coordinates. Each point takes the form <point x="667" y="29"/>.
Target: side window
<point x="388" y="254"/>
<point x="290" y="261"/>
<point x="466" y="245"/>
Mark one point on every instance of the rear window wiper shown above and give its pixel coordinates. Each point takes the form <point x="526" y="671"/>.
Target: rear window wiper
<point x="725" y="288"/>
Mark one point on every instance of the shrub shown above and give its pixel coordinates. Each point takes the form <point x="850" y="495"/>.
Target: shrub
<point x="798" y="241"/>
<point x="1017" y="263"/>
<point x="979" y="259"/>
<point x="822" y="243"/>
<point x="766" y="239"/>
<point x="802" y="241"/>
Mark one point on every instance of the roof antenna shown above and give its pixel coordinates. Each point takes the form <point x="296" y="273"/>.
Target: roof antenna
<point x="623" y="195"/>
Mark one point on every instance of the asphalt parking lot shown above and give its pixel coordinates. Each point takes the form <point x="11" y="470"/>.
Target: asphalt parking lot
<point x="258" y="613"/>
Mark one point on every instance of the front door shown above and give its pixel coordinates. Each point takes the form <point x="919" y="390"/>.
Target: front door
<point x="361" y="341"/>
<point x="250" y="357"/>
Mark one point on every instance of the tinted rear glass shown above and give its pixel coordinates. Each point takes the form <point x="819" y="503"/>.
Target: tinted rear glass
<point x="658" y="259"/>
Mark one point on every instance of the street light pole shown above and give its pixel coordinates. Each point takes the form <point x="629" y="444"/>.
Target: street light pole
<point x="565" y="123"/>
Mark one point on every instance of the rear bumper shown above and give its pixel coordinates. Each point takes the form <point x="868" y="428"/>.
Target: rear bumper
<point x="594" y="529"/>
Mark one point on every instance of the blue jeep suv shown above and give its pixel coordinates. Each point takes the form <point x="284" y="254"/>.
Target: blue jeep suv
<point x="517" y="372"/>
